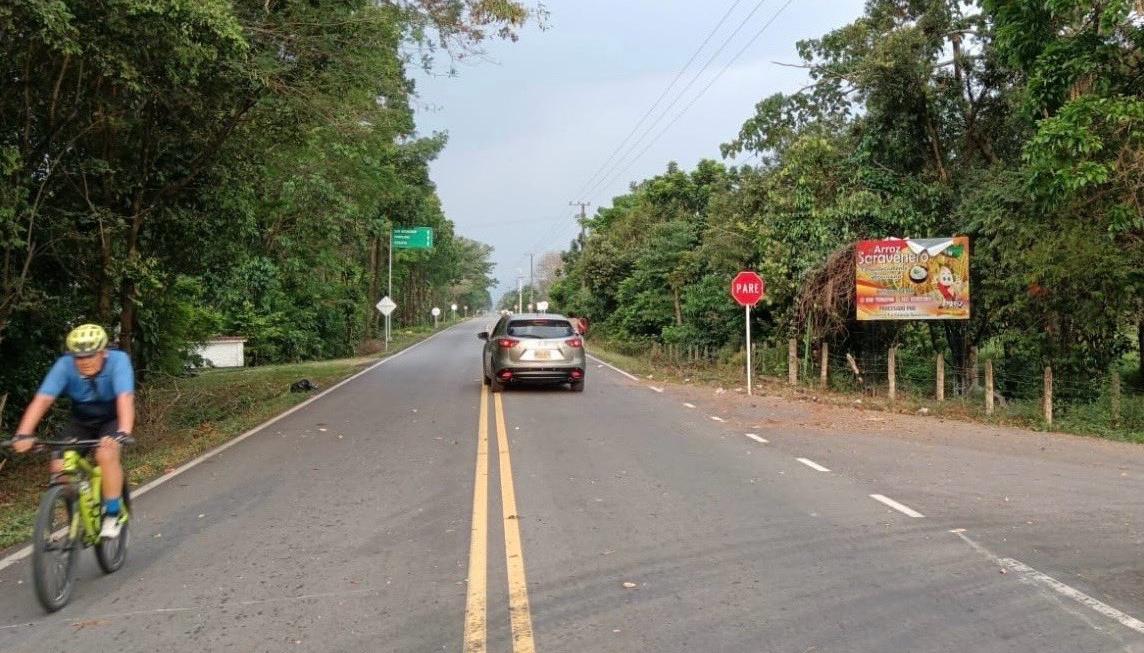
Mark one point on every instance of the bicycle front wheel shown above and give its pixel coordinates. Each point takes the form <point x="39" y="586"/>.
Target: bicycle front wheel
<point x="54" y="552"/>
<point x="111" y="553"/>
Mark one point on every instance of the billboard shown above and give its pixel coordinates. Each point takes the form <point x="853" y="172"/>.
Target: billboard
<point x="912" y="279"/>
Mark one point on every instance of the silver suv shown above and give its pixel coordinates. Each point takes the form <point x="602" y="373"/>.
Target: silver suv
<point x="533" y="348"/>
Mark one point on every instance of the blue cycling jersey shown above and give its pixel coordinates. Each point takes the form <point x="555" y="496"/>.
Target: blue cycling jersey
<point x="92" y="398"/>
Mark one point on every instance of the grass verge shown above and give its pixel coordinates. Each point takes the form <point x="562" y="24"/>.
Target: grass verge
<point x="181" y="418"/>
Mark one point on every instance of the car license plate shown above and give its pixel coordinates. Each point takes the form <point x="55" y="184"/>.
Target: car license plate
<point x="540" y="355"/>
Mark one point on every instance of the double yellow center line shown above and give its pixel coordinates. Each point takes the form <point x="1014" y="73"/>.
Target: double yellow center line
<point x="476" y="603"/>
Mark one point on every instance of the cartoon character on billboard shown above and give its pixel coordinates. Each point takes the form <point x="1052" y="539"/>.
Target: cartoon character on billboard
<point x="948" y="286"/>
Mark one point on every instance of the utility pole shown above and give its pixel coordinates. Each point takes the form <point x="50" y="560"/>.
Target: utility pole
<point x="583" y="219"/>
<point x="531" y="283"/>
<point x="519" y="291"/>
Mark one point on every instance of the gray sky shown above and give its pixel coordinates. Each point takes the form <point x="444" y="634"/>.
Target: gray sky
<point x="531" y="123"/>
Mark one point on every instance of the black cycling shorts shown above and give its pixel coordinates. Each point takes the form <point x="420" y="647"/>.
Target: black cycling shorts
<point x="82" y="429"/>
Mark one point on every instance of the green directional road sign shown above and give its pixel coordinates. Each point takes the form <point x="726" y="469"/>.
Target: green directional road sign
<point x="415" y="238"/>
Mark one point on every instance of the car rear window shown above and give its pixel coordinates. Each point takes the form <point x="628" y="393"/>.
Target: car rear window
<point x="540" y="329"/>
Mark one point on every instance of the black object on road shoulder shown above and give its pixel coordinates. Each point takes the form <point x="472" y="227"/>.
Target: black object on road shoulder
<point x="305" y="385"/>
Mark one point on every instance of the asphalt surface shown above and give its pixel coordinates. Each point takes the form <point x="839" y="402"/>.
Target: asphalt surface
<point x="620" y="519"/>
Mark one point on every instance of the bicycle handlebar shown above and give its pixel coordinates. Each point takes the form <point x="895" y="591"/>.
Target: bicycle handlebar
<point x="63" y="444"/>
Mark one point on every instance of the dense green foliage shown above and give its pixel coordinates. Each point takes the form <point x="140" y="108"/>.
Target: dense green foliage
<point x="181" y="168"/>
<point x="1019" y="123"/>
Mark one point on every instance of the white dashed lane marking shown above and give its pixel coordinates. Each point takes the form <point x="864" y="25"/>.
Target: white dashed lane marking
<point x="904" y="509"/>
<point x="717" y="418"/>
<point x="689" y="405"/>
<point x="811" y="464"/>
<point x="756" y="438"/>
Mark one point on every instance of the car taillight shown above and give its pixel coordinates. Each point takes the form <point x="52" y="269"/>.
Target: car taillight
<point x="577" y="374"/>
<point x="507" y="343"/>
<point x="574" y="342"/>
<point x="505" y="375"/>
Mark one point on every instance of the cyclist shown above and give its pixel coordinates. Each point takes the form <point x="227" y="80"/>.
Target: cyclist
<point x="101" y="385"/>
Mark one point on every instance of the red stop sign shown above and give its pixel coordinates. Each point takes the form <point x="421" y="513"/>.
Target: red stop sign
<point x="748" y="288"/>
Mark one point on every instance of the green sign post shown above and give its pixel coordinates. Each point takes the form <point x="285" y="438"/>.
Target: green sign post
<point x="415" y="238"/>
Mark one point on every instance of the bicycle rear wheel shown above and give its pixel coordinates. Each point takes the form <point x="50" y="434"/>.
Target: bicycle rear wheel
<point x="110" y="554"/>
<point x="54" y="553"/>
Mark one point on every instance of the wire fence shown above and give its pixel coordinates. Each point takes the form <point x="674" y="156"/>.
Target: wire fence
<point x="989" y="388"/>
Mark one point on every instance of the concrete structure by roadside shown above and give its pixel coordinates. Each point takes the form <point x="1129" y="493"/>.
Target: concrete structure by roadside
<point x="224" y="351"/>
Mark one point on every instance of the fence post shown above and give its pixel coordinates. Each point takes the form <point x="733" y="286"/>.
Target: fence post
<point x="989" y="387"/>
<point x="1113" y="396"/>
<point x="792" y="361"/>
<point x="1049" y="396"/>
<point x="939" y="390"/>
<point x="891" y="368"/>
<point x="971" y="378"/>
<point x="822" y="373"/>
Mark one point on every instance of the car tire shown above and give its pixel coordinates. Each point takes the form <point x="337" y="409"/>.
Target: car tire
<point x="578" y="386"/>
<point x="495" y="386"/>
<point x="485" y="378"/>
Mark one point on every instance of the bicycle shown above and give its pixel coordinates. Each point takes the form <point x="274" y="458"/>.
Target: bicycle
<point x="68" y="520"/>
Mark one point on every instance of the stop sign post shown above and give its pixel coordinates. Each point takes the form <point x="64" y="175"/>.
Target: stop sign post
<point x="748" y="288"/>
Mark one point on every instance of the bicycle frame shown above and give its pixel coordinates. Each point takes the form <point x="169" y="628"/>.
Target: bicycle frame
<point x="80" y="473"/>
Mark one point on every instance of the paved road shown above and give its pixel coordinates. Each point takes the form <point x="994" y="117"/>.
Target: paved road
<point x="619" y="519"/>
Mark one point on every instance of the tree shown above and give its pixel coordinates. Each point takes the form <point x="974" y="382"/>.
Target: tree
<point x="161" y="161"/>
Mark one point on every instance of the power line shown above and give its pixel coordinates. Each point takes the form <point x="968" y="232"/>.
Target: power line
<point x="682" y="92"/>
<point x="614" y="174"/>
<point x="655" y="104"/>
<point x="702" y="92"/>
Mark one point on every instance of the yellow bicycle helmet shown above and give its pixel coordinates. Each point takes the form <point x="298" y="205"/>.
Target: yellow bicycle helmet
<point x="87" y="340"/>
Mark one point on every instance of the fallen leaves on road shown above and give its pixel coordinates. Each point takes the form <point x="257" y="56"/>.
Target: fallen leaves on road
<point x="629" y="585"/>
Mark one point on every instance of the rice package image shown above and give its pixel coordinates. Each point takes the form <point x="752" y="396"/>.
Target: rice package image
<point x="912" y="279"/>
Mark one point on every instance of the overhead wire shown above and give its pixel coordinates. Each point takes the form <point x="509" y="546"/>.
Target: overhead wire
<point x="614" y="173"/>
<point x="702" y="92"/>
<point x="652" y="108"/>
<point x="695" y="78"/>
<point x="694" y="55"/>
